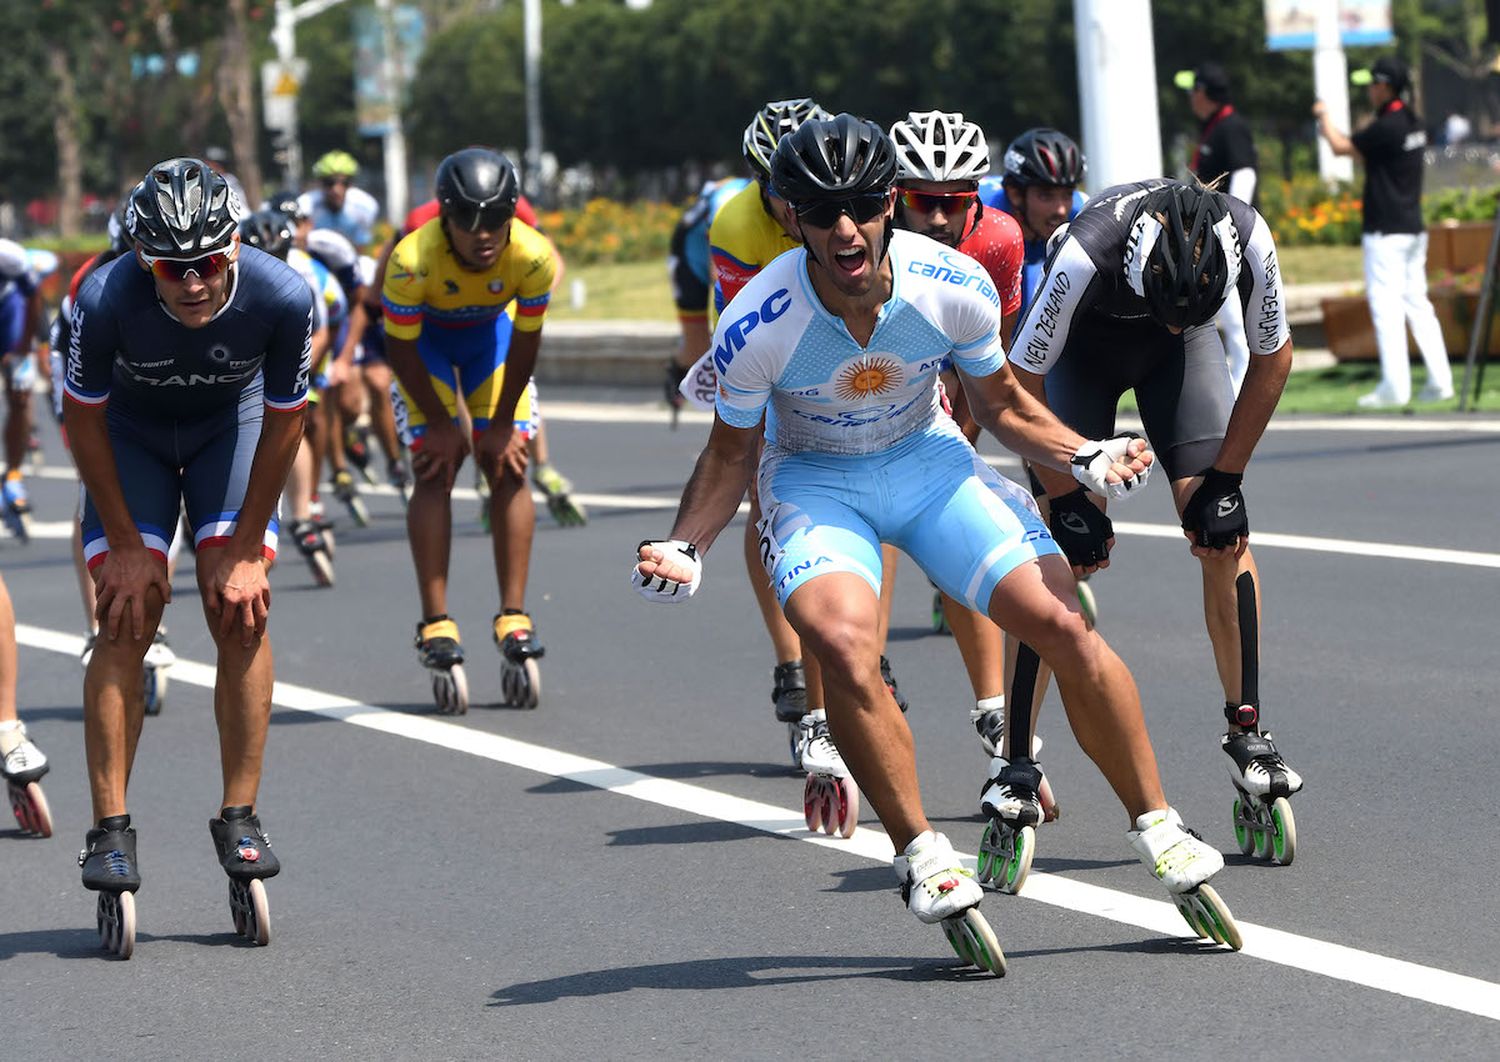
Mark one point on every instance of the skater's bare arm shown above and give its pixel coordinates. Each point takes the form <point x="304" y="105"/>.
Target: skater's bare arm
<point x="718" y="484"/>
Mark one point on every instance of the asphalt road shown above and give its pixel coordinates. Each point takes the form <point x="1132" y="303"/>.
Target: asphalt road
<point x="623" y="874"/>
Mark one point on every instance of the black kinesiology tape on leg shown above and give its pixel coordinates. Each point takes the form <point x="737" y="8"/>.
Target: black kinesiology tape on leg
<point x="1247" y="712"/>
<point x="1018" y="705"/>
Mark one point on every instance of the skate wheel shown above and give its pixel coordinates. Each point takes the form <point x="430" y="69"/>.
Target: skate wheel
<point x="1088" y="604"/>
<point x="974" y="941"/>
<point x="812" y="802"/>
<point x="939" y="620"/>
<point x="532" y="692"/>
<point x="322" y="568"/>
<point x="1214" y="918"/>
<point x="1018" y="865"/>
<point x="115" y="914"/>
<point x="359" y="511"/>
<point x="985" y="864"/>
<point x="846" y="803"/>
<point x="39" y="817"/>
<point x="329" y="544"/>
<point x="1283" y="831"/>
<point x="1245" y="831"/>
<point x="1265" y="842"/>
<point x="259" y="928"/>
<point x="459" y="704"/>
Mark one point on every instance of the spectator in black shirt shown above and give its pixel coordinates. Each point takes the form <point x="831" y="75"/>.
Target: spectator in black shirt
<point x="1226" y="151"/>
<point x="1395" y="239"/>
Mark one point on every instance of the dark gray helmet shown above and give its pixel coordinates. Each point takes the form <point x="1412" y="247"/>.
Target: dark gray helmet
<point x="1045" y="157"/>
<point x="477" y="185"/>
<point x="270" y="230"/>
<point x="833" y="158"/>
<point x="182" y="209"/>
<point x="1183" y="254"/>
<point x="772" y="122"/>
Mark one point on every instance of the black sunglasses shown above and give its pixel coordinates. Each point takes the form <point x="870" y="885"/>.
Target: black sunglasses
<point x="825" y="213"/>
<point x="472" y="219"/>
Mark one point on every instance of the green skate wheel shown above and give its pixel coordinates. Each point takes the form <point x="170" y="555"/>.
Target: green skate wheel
<point x="1266" y="839"/>
<point x="974" y="941"/>
<point x="939" y="620"/>
<point x="1244" y="828"/>
<point x="987" y="867"/>
<point x="1189" y="912"/>
<point x="1217" y="917"/>
<point x="1283" y="831"/>
<point x="1018" y="864"/>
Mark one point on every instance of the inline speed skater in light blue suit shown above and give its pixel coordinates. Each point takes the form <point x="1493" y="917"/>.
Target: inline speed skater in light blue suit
<point x="838" y="344"/>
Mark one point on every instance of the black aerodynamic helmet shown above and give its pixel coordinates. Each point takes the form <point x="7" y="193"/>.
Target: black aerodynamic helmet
<point x="269" y="229"/>
<point x="1183" y="254"/>
<point x="1044" y="157"/>
<point x="833" y="158"/>
<point x="182" y="209"/>
<point x="477" y="185"/>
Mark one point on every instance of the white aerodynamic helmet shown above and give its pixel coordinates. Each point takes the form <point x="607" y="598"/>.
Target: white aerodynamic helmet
<point x="939" y="146"/>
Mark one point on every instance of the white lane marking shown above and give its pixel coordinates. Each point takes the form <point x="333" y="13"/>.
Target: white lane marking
<point x="657" y="413"/>
<point x="1260" y="539"/>
<point x="1395" y="976"/>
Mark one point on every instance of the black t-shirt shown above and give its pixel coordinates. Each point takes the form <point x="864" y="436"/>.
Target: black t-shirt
<point x="1224" y="145"/>
<point x="1392" y="148"/>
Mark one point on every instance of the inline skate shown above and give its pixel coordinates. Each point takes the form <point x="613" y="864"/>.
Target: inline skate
<point x="1182" y="862"/>
<point x="23" y="765"/>
<point x="1012" y="802"/>
<point x="314" y="547"/>
<point x="557" y="490"/>
<point x="441" y="654"/>
<point x="830" y="799"/>
<point x="939" y="617"/>
<point x="245" y="854"/>
<point x="158" y="661"/>
<point x="937" y="888"/>
<point x="890" y="683"/>
<point x="348" y="494"/>
<point x="110" y="869"/>
<point x="520" y="675"/>
<point x="988" y="717"/>
<point x="15" y="507"/>
<point x="1263" y="820"/>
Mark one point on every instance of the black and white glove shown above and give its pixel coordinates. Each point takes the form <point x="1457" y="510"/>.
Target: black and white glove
<point x="660" y="589"/>
<point x="1216" y="511"/>
<point x="1092" y="461"/>
<point x="1081" y="528"/>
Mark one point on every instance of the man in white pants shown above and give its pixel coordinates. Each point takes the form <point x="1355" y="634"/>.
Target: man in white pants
<point x="1395" y="239"/>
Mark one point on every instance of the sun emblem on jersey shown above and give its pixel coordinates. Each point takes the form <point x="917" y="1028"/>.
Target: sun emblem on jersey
<point x="218" y="353"/>
<point x="869" y="376"/>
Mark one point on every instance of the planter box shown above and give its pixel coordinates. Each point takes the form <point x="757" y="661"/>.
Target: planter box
<point x="1458" y="246"/>
<point x="1351" y="334"/>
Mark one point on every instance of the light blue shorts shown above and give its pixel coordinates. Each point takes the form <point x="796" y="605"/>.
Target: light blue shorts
<point x="930" y="496"/>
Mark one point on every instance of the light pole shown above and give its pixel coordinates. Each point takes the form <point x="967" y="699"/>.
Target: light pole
<point x="1117" y="90"/>
<point x="284" y="34"/>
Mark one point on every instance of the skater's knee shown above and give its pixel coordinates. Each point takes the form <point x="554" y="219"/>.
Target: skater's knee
<point x="845" y="647"/>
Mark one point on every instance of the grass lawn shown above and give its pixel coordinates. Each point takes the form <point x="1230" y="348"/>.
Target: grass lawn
<point x="635" y="291"/>
<point x="1321" y="265"/>
<point x="1336" y="390"/>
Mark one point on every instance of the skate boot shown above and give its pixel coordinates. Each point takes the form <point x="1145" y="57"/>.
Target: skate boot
<point x="347" y="493"/>
<point x="110" y="869"/>
<point x="23" y="765"/>
<point x="558" y="492"/>
<point x="890" y="683"/>
<point x="159" y="660"/>
<point x="443" y="657"/>
<point x="830" y="799"/>
<point x="246" y="856"/>
<point x="357" y="449"/>
<point x="520" y="675"/>
<point x="313" y="546"/>
<point x="988" y="717"/>
<point x="15" y="507"/>
<point x="324" y="525"/>
<point x="939" y="617"/>
<point x="789" y="699"/>
<point x="1263" y="822"/>
<point x="1014" y="808"/>
<point x="1183" y="863"/>
<point x="937" y="888"/>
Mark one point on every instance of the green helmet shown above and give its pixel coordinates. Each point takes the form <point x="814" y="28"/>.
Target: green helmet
<point x="336" y="164"/>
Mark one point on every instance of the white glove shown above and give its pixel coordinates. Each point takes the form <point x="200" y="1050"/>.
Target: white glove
<point x="659" y="588"/>
<point x="1092" y="462"/>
